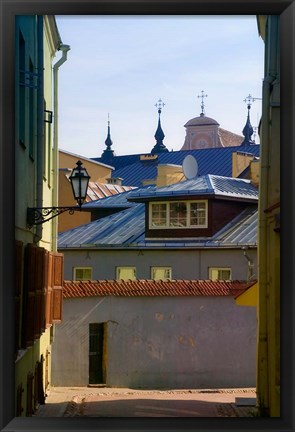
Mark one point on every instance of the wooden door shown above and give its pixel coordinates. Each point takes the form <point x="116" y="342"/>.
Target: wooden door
<point x="96" y="345"/>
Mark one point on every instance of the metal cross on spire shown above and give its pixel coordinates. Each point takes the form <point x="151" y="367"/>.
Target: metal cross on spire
<point x="159" y="105"/>
<point x="202" y="96"/>
<point x="249" y="100"/>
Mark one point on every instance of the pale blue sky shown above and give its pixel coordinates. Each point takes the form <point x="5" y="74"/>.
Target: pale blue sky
<point x="122" y="65"/>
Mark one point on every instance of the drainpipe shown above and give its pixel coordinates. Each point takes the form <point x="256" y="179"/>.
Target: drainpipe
<point x="64" y="49"/>
<point x="40" y="123"/>
<point x="262" y="351"/>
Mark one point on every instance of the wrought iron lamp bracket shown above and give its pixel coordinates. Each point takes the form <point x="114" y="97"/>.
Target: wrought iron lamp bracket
<point x="39" y="215"/>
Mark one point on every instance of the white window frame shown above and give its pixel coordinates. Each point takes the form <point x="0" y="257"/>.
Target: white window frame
<point x="168" y="269"/>
<point x="125" y="267"/>
<point x="219" y="269"/>
<point x="82" y="268"/>
<point x="188" y="209"/>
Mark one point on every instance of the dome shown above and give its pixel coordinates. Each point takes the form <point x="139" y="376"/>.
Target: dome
<point x="201" y="121"/>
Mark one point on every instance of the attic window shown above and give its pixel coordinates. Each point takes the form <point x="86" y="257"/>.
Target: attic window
<point x="126" y="273"/>
<point x="178" y="214"/>
<point x="161" y="273"/>
<point x="220" y="273"/>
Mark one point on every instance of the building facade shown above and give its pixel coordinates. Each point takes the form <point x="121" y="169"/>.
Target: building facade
<point x="39" y="276"/>
<point x="268" y="365"/>
<point x="155" y="334"/>
<point x="188" y="230"/>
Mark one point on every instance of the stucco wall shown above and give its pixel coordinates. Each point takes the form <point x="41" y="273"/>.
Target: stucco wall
<point x="159" y="342"/>
<point x="186" y="264"/>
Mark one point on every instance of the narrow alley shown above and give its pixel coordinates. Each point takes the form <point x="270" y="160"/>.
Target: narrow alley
<point x="125" y="402"/>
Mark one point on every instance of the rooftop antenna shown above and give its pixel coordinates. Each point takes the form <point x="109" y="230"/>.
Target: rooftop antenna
<point x="202" y="96"/>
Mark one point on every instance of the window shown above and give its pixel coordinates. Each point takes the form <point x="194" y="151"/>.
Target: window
<point x="160" y="273"/>
<point x="126" y="273"/>
<point x="179" y="214"/>
<point x="219" y="273"/>
<point x="82" y="273"/>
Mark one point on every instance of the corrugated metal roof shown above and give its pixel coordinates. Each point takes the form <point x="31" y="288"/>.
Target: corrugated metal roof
<point x="126" y="230"/>
<point x="152" y="288"/>
<point x="204" y="185"/>
<point x="216" y="161"/>
<point x="116" y="201"/>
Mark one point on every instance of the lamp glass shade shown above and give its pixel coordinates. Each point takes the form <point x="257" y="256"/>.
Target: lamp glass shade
<point x="79" y="179"/>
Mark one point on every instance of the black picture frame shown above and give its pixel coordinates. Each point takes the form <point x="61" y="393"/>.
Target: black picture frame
<point x="8" y="10"/>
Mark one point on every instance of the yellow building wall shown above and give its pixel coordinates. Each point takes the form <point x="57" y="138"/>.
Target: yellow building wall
<point x="98" y="172"/>
<point x="240" y="161"/>
<point x="27" y="362"/>
<point x="249" y="297"/>
<point x="255" y="172"/>
<point x="169" y="174"/>
<point x="65" y="220"/>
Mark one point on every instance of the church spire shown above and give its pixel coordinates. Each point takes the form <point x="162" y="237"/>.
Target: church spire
<point x="159" y="147"/>
<point x="108" y="141"/>
<point x="108" y="154"/>
<point x="248" y="129"/>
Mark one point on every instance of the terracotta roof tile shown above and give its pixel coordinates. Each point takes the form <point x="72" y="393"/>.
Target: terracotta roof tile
<point x="101" y="190"/>
<point x="152" y="288"/>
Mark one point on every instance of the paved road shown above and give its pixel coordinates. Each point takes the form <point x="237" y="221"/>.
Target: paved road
<point x="110" y="402"/>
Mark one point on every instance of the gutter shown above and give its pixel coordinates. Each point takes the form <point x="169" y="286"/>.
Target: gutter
<point x="64" y="49"/>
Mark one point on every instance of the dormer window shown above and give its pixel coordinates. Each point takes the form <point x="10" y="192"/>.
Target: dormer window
<point x="178" y="214"/>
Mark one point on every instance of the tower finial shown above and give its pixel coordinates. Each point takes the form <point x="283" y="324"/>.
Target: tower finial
<point x="108" y="153"/>
<point x="248" y="129"/>
<point x="159" y="147"/>
<point x="202" y="96"/>
<point x="160" y="104"/>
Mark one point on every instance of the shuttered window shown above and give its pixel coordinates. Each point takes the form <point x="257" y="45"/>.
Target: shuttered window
<point x="42" y="293"/>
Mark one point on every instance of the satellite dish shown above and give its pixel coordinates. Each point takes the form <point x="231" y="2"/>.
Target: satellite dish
<point x="190" y="167"/>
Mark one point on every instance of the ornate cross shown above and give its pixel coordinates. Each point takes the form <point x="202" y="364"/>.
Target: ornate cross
<point x="202" y="96"/>
<point x="159" y="105"/>
<point x="249" y="100"/>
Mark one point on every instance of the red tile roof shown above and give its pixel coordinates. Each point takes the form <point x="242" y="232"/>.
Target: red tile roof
<point x="101" y="190"/>
<point x="152" y="288"/>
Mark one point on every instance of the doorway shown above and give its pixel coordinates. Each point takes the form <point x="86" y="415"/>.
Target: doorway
<point x="97" y="341"/>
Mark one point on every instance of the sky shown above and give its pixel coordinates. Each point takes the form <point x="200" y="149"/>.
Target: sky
<point x="120" y="66"/>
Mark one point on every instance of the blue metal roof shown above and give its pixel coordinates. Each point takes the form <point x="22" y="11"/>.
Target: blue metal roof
<point x="116" y="201"/>
<point x="118" y="229"/>
<point x="204" y="185"/>
<point x="126" y="230"/>
<point x="216" y="161"/>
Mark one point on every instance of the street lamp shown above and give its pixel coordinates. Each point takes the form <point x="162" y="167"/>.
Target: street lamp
<point x="79" y="179"/>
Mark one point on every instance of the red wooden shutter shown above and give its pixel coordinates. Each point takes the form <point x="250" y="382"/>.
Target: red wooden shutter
<point x="48" y="308"/>
<point x="57" y="287"/>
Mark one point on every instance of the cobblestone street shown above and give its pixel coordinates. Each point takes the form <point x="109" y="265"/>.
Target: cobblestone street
<point x="111" y="402"/>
